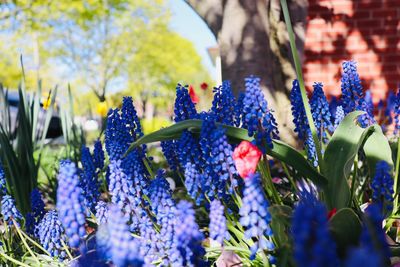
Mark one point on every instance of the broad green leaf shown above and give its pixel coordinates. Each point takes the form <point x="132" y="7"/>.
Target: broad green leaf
<point x="339" y="158"/>
<point x="345" y="227"/>
<point x="280" y="150"/>
<point x="377" y="148"/>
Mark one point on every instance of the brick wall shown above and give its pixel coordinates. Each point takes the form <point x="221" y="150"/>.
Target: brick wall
<point x="367" y="31"/>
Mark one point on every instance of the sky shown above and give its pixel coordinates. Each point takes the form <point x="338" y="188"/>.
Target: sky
<point x="188" y="24"/>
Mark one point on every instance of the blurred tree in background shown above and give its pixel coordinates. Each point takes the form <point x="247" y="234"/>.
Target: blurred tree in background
<point x="253" y="39"/>
<point x="100" y="47"/>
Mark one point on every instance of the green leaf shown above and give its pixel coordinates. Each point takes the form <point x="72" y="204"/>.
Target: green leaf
<point x="339" y="158"/>
<point x="345" y="227"/>
<point x="281" y="217"/>
<point x="280" y="150"/>
<point x="377" y="148"/>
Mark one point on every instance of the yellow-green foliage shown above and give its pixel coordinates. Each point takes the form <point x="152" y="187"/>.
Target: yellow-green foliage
<point x="151" y="125"/>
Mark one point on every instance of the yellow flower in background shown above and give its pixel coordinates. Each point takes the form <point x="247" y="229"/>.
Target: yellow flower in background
<point x="101" y="109"/>
<point x="46" y="100"/>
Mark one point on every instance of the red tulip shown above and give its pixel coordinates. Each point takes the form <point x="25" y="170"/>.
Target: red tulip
<point x="246" y="157"/>
<point x="192" y="94"/>
<point x="331" y="213"/>
<point x="204" y="86"/>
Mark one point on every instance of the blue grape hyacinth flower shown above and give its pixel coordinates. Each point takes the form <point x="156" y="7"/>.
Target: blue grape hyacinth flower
<point x="184" y="108"/>
<point x="37" y="204"/>
<point x="218" y="229"/>
<point x="70" y="204"/>
<point x="89" y="182"/>
<point x="136" y="171"/>
<point x="382" y="186"/>
<point x="224" y="168"/>
<point x="397" y="113"/>
<point x="373" y="236"/>
<point x="187" y="237"/>
<point x="302" y="127"/>
<point x="117" y="136"/>
<point x="258" y="118"/>
<point x="116" y="242"/>
<point x="149" y="239"/>
<point x="101" y="212"/>
<point x="223" y="104"/>
<point x="3" y="185"/>
<point x="123" y="191"/>
<point x="254" y="215"/>
<point x="9" y="210"/>
<point x="352" y="93"/>
<point x="238" y="110"/>
<point x="169" y="149"/>
<point x="51" y="235"/>
<point x="339" y="116"/>
<point x="298" y="111"/>
<point x="130" y="118"/>
<point x="313" y="244"/>
<point x="362" y="257"/>
<point x="189" y="150"/>
<point x="163" y="207"/>
<point x="98" y="155"/>
<point x="193" y="182"/>
<point x="320" y="111"/>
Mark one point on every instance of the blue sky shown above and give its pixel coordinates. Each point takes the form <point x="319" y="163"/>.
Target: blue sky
<point x="188" y="24"/>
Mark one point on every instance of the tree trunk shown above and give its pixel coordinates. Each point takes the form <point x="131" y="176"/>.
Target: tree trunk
<point x="253" y="40"/>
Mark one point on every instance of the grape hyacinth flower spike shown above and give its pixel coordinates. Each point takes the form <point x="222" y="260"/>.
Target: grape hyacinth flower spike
<point x="320" y="112"/>
<point x="116" y="242"/>
<point x="397" y="113"/>
<point x="51" y="235"/>
<point x="98" y="155"/>
<point x="313" y="244"/>
<point x="352" y="93"/>
<point x="89" y="182"/>
<point x="223" y="105"/>
<point x="255" y="217"/>
<point x="187" y="238"/>
<point x="298" y="111"/>
<point x="382" y="186"/>
<point x="302" y="128"/>
<point x="9" y="210"/>
<point x="218" y="229"/>
<point x="70" y="206"/>
<point x="3" y="187"/>
<point x="373" y="236"/>
<point x="163" y="207"/>
<point x="37" y="204"/>
<point x="339" y="116"/>
<point x="258" y="118"/>
<point x="184" y="108"/>
<point x="101" y="212"/>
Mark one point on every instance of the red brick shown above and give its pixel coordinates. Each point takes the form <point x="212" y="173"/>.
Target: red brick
<point x="369" y="23"/>
<point x="384" y="13"/>
<point x="360" y="4"/>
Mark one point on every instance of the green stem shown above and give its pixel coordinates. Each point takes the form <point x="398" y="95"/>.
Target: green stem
<point x="268" y="182"/>
<point x="24" y="242"/>
<point x="286" y="170"/>
<point x="301" y="81"/>
<point x="13" y="260"/>
<point x="396" y="178"/>
<point x="353" y="182"/>
<point x="65" y="247"/>
<point x="148" y="167"/>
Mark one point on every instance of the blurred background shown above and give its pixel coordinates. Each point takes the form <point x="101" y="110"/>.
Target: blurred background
<point x="104" y="49"/>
